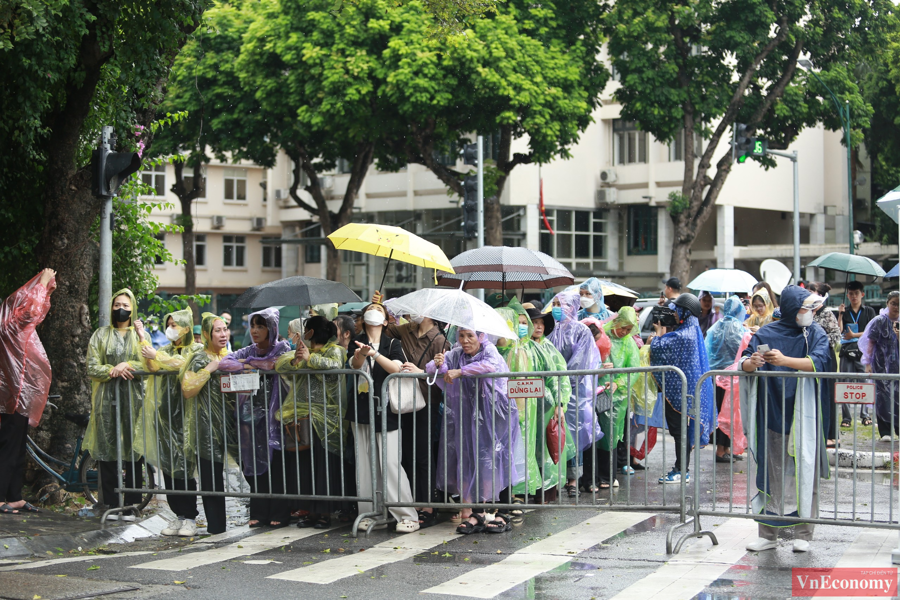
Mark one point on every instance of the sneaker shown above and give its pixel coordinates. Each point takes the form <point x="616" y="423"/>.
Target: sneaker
<point x="675" y="477"/>
<point x="615" y="483"/>
<point x="173" y="527"/>
<point x="129" y="518"/>
<point x="761" y="544"/>
<point x="801" y="546"/>
<point x="188" y="529"/>
<point x="626" y="470"/>
<point x="885" y="438"/>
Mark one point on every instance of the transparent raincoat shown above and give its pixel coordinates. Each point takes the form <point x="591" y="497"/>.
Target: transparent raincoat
<point x="594" y="286"/>
<point x="724" y="336"/>
<point x="109" y="347"/>
<point x="575" y="342"/>
<point x="624" y="354"/>
<point x="878" y="345"/>
<point x="478" y="456"/>
<point x="24" y="369"/>
<point x="160" y="428"/>
<point x="329" y="310"/>
<point x="209" y="423"/>
<point x="321" y="398"/>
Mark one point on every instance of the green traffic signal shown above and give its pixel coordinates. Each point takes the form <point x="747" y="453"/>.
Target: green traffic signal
<point x="742" y="159"/>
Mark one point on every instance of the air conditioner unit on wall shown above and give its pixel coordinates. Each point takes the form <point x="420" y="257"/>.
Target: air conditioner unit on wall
<point x="607" y="196"/>
<point x="258" y="223"/>
<point x="218" y="221"/>
<point x="608" y="176"/>
<point x="282" y="194"/>
<point x="327" y="182"/>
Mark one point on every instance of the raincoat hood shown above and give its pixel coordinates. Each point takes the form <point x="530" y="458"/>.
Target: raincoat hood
<point x="271" y="315"/>
<point x="763" y="294"/>
<point x="603" y="344"/>
<point x="724" y="338"/>
<point x="184" y="323"/>
<point x="570" y="302"/>
<point x="206" y="327"/>
<point x="626" y="318"/>
<point x="792" y="298"/>
<point x="329" y="311"/>
<point x="125" y="292"/>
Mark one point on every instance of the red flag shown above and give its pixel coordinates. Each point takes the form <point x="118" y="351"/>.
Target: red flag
<point x="544" y="212"/>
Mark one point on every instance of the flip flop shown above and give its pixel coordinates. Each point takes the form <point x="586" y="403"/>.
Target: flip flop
<point x="6" y="509"/>
<point x="30" y="508"/>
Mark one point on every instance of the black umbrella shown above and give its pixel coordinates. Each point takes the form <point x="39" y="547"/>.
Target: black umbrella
<point x="505" y="267"/>
<point x="296" y="291"/>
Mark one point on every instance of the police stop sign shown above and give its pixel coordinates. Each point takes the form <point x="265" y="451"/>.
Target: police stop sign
<point x="854" y="393"/>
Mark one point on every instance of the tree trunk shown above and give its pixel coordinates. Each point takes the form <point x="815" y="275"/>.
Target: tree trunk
<point x="493" y="227"/>
<point x="186" y="198"/>
<point x="680" y="264"/>
<point x="333" y="266"/>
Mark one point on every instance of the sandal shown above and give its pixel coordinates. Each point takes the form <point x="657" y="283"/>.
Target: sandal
<point x="572" y="490"/>
<point x="866" y="421"/>
<point x="638" y="466"/>
<point x="457" y="518"/>
<point x="6" y="509"/>
<point x="832" y="444"/>
<point x="407" y="526"/>
<point x="322" y="523"/>
<point x="427" y="519"/>
<point x="845" y="423"/>
<point x="500" y="524"/>
<point x="467" y="527"/>
<point x="30" y="508"/>
<point x="593" y="489"/>
<point x="254" y="523"/>
<point x="277" y="524"/>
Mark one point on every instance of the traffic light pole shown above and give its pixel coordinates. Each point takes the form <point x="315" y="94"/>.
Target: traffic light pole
<point x="480" y="175"/>
<point x="793" y="157"/>
<point x="105" y="293"/>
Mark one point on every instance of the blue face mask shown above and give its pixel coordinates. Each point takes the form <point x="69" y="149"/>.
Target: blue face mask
<point x="293" y="345"/>
<point x="523" y="330"/>
<point x="557" y="313"/>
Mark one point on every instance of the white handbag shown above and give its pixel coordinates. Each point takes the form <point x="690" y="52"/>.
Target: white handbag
<point x="404" y="394"/>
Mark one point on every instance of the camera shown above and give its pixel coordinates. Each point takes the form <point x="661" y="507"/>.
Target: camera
<point x="664" y="315"/>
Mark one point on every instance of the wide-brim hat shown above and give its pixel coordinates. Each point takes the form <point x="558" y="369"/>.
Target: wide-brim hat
<point x="549" y="321"/>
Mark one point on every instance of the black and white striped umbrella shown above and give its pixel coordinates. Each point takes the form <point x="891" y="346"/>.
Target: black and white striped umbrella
<point x="505" y="267"/>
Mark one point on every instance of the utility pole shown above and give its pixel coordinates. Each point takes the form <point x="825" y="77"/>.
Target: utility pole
<point x="793" y="157"/>
<point x="480" y="175"/>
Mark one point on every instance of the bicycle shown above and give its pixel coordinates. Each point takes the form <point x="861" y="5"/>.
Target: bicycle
<point x="80" y="474"/>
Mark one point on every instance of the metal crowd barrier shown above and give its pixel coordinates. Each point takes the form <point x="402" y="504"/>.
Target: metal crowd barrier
<point x="629" y="496"/>
<point x="235" y="427"/>
<point x="843" y="496"/>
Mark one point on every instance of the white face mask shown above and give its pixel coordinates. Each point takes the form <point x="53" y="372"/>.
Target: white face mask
<point x="172" y="334"/>
<point x="805" y="319"/>
<point x="587" y="302"/>
<point x="374" y="318"/>
<point x="416" y="319"/>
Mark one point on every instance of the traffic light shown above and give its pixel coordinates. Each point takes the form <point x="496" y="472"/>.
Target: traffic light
<point x="759" y="146"/>
<point x="470" y="154"/>
<point x="742" y="142"/>
<point x="470" y="207"/>
<point x="109" y="170"/>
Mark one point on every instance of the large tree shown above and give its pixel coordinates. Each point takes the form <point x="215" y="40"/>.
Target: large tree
<point x="699" y="67"/>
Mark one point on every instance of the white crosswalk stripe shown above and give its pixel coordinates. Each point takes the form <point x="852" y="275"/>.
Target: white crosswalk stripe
<point x="394" y="550"/>
<point x="540" y="557"/>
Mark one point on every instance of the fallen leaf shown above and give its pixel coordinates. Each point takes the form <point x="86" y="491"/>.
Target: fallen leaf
<point x="36" y="597"/>
<point x="93" y="568"/>
<point x="60" y="575"/>
<point x="179" y="582"/>
<point x="501" y="552"/>
<point x="326" y="551"/>
<point x="445" y="554"/>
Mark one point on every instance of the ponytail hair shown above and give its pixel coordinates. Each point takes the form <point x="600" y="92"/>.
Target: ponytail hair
<point x="322" y="329"/>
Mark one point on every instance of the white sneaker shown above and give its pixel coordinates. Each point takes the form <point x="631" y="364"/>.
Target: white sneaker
<point x="173" y="527"/>
<point x="129" y="518"/>
<point x="615" y="483"/>
<point x="112" y="517"/>
<point x="188" y="529"/>
<point x="761" y="544"/>
<point x="885" y="438"/>
<point x="801" y="546"/>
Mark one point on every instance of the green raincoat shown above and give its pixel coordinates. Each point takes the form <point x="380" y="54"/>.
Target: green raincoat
<point x="109" y="347"/>
<point x="210" y="429"/>
<point x="325" y="396"/>
<point x="160" y="432"/>
<point x="623" y="355"/>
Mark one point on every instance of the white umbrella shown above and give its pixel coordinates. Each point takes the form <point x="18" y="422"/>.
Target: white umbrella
<point x="454" y="307"/>
<point x="723" y="281"/>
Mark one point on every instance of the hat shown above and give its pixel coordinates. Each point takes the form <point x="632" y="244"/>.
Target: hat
<point x="533" y="313"/>
<point x="197" y="330"/>
<point x="496" y="299"/>
<point x="813" y="301"/>
<point x="674" y="283"/>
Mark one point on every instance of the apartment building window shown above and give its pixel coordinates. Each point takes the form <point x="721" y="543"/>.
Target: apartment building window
<point x="343" y="166"/>
<point x="271" y="257"/>
<point x="189" y="185"/>
<point x="579" y="241"/>
<point x="264" y="184"/>
<point x="234" y="250"/>
<point x="642" y="234"/>
<point x="200" y="249"/>
<point x="448" y="156"/>
<point x="155" y="177"/>
<point x="162" y="239"/>
<point x="630" y="144"/>
<point x="676" y="147"/>
<point x="491" y="146"/>
<point x="312" y="253"/>
<point x="235" y="184"/>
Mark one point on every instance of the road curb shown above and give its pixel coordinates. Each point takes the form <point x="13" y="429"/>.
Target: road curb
<point x="863" y="460"/>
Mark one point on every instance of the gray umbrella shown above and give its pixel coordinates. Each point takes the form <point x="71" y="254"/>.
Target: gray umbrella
<point x="505" y="267"/>
<point x="296" y="291"/>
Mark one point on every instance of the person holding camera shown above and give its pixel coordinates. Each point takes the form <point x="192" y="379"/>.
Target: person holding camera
<point x="670" y="292"/>
<point x="878" y="345"/>
<point x="678" y="342"/>
<point x="852" y="321"/>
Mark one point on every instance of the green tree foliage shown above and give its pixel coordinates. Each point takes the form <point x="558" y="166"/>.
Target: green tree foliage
<point x="702" y="66"/>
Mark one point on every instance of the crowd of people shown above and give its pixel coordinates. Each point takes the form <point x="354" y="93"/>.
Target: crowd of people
<point x="309" y="431"/>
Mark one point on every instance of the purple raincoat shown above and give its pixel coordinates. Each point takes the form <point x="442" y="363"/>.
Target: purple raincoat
<point x="576" y="343"/>
<point x="879" y="351"/>
<point x="260" y="430"/>
<point x="476" y="451"/>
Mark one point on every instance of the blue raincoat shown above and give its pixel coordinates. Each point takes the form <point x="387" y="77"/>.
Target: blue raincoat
<point x="593" y="286"/>
<point x="723" y="340"/>
<point x="684" y="348"/>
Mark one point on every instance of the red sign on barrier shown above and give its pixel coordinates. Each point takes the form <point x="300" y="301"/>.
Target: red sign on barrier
<point x="854" y="393"/>
<point x="862" y="582"/>
<point x="525" y="388"/>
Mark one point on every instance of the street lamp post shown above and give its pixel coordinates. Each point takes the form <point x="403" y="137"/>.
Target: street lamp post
<point x="844" y="113"/>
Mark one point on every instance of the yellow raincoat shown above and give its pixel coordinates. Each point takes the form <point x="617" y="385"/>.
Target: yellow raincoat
<point x="160" y="433"/>
<point x="755" y="320"/>
<point x="109" y="347"/>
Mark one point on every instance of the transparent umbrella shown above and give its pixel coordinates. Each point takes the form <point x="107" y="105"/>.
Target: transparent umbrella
<point x="455" y="307"/>
<point x="723" y="281"/>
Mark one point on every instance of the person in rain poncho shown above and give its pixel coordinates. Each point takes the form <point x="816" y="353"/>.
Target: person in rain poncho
<point x="114" y="352"/>
<point x="709" y="313"/>
<point x="723" y="341"/>
<point x="480" y="448"/>
<point x="557" y="392"/>
<point x="261" y="433"/>
<point x="160" y="426"/>
<point x="24" y="382"/>
<point x="328" y="310"/>
<point x="210" y="433"/>
<point x="761" y="309"/>
<point x="879" y="355"/>
<point x="575" y="342"/>
<point x="783" y="420"/>
<point x="591" y="300"/>
<point x="826" y="319"/>
<point x="684" y="348"/>
<point x="322" y="400"/>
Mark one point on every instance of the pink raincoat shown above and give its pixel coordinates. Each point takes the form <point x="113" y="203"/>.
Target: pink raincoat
<point x="734" y="430"/>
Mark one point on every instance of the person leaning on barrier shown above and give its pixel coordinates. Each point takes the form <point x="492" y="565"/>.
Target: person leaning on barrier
<point x="24" y="382"/>
<point x="879" y="355"/>
<point x="114" y="352"/>
<point x="478" y="415"/>
<point x="557" y="392"/>
<point x="160" y="427"/>
<point x="783" y="420"/>
<point x="683" y="348"/>
<point x="320" y="399"/>
<point x="852" y="321"/>
<point x="209" y="425"/>
<point x="262" y="459"/>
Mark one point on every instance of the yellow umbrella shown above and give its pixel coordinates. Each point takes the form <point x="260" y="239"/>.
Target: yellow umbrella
<point x="393" y="243"/>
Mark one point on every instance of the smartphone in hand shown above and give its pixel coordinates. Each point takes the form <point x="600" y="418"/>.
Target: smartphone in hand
<point x="763" y="348"/>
